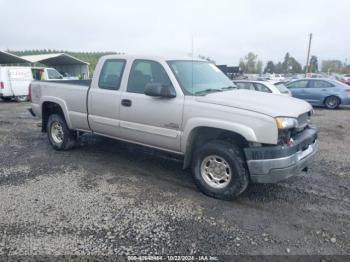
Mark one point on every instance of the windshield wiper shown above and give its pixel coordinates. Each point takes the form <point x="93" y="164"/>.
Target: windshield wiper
<point x="229" y="88"/>
<point x="206" y="91"/>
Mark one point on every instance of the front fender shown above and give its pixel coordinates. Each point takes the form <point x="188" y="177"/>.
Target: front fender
<point x="245" y="131"/>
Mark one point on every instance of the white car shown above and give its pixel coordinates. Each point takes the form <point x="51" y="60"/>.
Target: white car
<point x="263" y="86"/>
<point x="14" y="82"/>
<point x="346" y="77"/>
<point x="48" y="74"/>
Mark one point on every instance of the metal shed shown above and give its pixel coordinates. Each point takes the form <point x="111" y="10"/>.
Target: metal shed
<point x="62" y="62"/>
<point x="10" y="59"/>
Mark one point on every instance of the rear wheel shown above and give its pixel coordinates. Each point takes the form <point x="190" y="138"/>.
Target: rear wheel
<point x="219" y="170"/>
<point x="21" y="98"/>
<point x="60" y="137"/>
<point x="332" y="102"/>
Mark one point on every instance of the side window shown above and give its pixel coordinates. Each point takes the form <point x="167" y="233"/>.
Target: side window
<point x="111" y="74"/>
<point x="144" y="72"/>
<point x="298" y="84"/>
<point x="245" y="85"/>
<point x="262" y="88"/>
<point x="320" y="84"/>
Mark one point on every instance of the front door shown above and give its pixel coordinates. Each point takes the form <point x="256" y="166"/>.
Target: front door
<point x="149" y="120"/>
<point x="299" y="88"/>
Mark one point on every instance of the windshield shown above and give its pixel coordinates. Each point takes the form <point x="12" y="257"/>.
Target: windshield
<point x="53" y="74"/>
<point x="281" y="87"/>
<point x="200" y="77"/>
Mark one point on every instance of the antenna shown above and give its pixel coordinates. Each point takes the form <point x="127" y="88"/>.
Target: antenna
<point x="192" y="53"/>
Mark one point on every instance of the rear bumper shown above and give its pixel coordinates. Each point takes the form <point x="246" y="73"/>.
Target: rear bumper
<point x="276" y="163"/>
<point x="345" y="101"/>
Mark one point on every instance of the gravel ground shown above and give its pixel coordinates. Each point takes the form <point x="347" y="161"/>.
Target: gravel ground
<point x="107" y="197"/>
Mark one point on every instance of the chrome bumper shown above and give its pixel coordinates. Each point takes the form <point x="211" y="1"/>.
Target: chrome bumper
<point x="275" y="169"/>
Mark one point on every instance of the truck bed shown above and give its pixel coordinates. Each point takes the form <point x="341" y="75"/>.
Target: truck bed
<point x="71" y="95"/>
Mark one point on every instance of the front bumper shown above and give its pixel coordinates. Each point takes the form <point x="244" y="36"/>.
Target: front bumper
<point x="270" y="164"/>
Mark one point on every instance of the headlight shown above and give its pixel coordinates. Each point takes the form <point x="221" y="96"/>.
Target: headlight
<point x="286" y="122"/>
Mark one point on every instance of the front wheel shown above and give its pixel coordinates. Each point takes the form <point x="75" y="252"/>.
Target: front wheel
<point x="60" y="137"/>
<point x="219" y="170"/>
<point x="332" y="102"/>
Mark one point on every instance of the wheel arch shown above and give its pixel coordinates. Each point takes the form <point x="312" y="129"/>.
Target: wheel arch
<point x="324" y="100"/>
<point x="53" y="106"/>
<point x="203" y="134"/>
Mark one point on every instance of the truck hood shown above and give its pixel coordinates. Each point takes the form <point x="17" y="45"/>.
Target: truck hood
<point x="265" y="103"/>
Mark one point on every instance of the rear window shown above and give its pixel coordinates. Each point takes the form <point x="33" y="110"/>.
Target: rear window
<point x="282" y="88"/>
<point x="111" y="74"/>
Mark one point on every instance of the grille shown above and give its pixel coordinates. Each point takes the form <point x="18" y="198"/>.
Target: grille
<point x="303" y="120"/>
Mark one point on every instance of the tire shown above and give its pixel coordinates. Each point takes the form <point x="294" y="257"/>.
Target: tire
<point x="6" y="99"/>
<point x="228" y="158"/>
<point x="332" y="102"/>
<point x="21" y="98"/>
<point x="60" y="137"/>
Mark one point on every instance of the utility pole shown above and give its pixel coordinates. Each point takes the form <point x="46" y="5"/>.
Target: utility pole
<point x="307" y="67"/>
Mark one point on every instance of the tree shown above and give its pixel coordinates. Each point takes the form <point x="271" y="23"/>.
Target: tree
<point x="242" y="66"/>
<point x="285" y="64"/>
<point x="313" y="64"/>
<point x="279" y="68"/>
<point x="290" y="65"/>
<point x="250" y="62"/>
<point x="270" y="67"/>
<point x="259" y="66"/>
<point x="294" y="66"/>
<point x="250" y="65"/>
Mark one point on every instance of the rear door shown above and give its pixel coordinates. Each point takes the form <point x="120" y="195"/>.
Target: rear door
<point x="149" y="120"/>
<point x="19" y="80"/>
<point x="318" y="90"/>
<point x="104" y="99"/>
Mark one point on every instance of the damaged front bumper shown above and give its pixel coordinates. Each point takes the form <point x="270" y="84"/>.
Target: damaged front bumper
<point x="270" y="164"/>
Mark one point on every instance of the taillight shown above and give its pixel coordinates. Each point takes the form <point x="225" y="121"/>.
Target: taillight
<point x="2" y="86"/>
<point x="347" y="90"/>
<point x="30" y="93"/>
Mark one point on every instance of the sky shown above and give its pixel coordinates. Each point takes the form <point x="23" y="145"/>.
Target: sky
<point x="224" y="30"/>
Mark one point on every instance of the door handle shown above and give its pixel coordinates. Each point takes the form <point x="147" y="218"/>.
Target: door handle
<point x="126" y="102"/>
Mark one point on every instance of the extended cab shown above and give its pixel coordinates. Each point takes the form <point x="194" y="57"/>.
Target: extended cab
<point x="229" y="137"/>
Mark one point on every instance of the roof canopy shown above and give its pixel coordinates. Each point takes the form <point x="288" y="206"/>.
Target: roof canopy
<point x="7" y="58"/>
<point x="54" y="59"/>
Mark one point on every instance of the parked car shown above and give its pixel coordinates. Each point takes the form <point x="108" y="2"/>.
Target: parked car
<point x="44" y="73"/>
<point x="228" y="137"/>
<point x="14" y="82"/>
<point x="321" y="92"/>
<point x="346" y="77"/>
<point x="263" y="86"/>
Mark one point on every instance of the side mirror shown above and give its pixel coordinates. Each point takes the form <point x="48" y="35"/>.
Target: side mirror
<point x="159" y="90"/>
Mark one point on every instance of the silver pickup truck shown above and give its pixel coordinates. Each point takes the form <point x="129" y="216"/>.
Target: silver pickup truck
<point x="229" y="137"/>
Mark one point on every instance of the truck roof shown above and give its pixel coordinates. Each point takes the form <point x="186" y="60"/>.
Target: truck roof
<point x="152" y="57"/>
